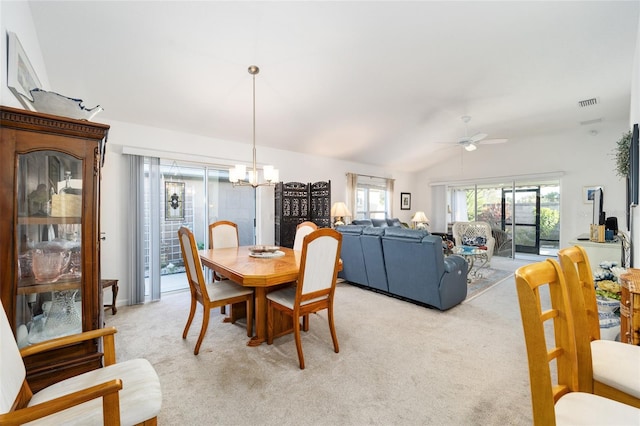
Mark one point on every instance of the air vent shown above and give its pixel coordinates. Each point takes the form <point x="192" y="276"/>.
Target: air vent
<point x="587" y="102"/>
<point x="594" y="121"/>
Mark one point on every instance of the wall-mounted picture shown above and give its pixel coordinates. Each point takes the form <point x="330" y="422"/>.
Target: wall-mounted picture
<point x="174" y="200"/>
<point x="405" y="201"/>
<point x="21" y="78"/>
<point x="587" y="193"/>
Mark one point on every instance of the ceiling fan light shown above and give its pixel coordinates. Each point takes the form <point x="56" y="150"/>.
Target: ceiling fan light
<point x="470" y="147"/>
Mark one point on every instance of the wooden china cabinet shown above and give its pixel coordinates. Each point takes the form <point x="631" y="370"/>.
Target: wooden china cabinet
<point x="49" y="232"/>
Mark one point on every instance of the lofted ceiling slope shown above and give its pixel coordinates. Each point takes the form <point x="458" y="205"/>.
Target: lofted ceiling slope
<point x="382" y="83"/>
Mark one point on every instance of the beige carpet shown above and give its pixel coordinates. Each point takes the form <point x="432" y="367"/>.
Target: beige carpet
<point x="486" y="278"/>
<point x="398" y="364"/>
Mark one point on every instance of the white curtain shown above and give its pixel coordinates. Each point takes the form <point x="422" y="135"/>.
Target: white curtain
<point x="390" y="197"/>
<point x="352" y="184"/>
<point x="459" y="206"/>
<point x="136" y="249"/>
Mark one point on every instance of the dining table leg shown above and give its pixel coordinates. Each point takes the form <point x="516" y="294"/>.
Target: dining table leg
<point x="260" y="308"/>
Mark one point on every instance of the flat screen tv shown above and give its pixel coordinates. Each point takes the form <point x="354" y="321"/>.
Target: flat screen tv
<point x="598" y="203"/>
<point x="634" y="166"/>
<point x="634" y="174"/>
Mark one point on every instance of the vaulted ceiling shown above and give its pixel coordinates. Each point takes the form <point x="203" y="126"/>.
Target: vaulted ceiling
<point x="382" y="83"/>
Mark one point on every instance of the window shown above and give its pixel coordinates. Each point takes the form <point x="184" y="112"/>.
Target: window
<point x="372" y="198"/>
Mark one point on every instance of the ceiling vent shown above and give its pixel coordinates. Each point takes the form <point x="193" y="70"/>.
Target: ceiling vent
<point x="594" y="121"/>
<point x="588" y="102"/>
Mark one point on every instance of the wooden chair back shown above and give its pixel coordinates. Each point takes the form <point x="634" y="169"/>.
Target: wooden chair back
<point x="193" y="266"/>
<point x="543" y="296"/>
<point x="318" y="267"/>
<point x="223" y="234"/>
<point x="579" y="277"/>
<point x="302" y="230"/>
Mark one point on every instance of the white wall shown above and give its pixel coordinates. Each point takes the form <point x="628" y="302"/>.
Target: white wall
<point x="15" y="16"/>
<point x="582" y="159"/>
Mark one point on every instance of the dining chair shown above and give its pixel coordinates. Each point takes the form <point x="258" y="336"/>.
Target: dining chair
<point x="605" y="367"/>
<point x="556" y="400"/>
<point x="315" y="288"/>
<point x="302" y="230"/>
<point x="222" y="234"/>
<point x="126" y="392"/>
<point x="209" y="295"/>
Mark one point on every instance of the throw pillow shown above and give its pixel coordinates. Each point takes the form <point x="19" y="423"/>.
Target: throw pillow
<point x="475" y="241"/>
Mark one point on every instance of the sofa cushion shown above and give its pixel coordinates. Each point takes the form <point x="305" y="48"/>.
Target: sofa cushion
<point x="350" y="229"/>
<point x="382" y="223"/>
<point x="372" y="230"/>
<point x="407" y="234"/>
<point x="371" y="241"/>
<point x="366" y="222"/>
<point x="394" y="222"/>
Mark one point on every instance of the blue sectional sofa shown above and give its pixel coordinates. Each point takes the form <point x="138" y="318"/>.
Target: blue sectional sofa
<point x="406" y="263"/>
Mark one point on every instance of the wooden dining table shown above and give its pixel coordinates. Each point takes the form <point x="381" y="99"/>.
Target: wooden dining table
<point x="263" y="274"/>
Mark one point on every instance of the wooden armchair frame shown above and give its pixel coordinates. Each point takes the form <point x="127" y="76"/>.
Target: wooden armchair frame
<point x="108" y="391"/>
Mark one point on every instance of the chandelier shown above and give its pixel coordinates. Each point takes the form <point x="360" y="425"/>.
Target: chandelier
<point x="238" y="175"/>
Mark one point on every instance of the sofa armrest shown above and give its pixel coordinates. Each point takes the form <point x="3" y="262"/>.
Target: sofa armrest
<point x="350" y="229"/>
<point x="454" y="263"/>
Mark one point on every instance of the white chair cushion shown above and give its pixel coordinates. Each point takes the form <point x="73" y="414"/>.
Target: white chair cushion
<point x="12" y="371"/>
<point x="226" y="289"/>
<point x="140" y="397"/>
<point x="617" y="365"/>
<point x="578" y="408"/>
<point x="287" y="296"/>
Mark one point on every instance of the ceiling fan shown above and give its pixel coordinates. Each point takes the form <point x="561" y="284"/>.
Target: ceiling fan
<point x="470" y="143"/>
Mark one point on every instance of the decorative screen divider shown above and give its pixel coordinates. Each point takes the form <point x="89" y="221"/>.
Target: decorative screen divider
<point x="297" y="202"/>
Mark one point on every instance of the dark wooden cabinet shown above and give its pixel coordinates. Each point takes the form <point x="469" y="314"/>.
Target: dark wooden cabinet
<point x="296" y="202"/>
<point x="49" y="228"/>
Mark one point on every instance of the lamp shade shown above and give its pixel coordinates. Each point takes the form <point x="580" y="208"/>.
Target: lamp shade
<point x="420" y="217"/>
<point x="339" y="209"/>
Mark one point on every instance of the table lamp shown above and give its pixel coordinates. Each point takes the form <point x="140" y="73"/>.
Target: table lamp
<point x="339" y="211"/>
<point x="420" y="220"/>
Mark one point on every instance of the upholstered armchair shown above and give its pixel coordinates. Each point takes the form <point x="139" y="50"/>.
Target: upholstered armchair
<point x="474" y="234"/>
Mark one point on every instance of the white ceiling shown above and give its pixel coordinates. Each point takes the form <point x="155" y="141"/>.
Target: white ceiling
<point x="382" y="83"/>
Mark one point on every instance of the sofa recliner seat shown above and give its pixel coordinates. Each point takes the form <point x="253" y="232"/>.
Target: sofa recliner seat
<point x="413" y="262"/>
<point x="353" y="267"/>
<point x="374" y="258"/>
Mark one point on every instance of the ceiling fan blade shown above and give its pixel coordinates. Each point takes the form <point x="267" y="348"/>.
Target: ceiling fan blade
<point x="493" y="141"/>
<point x="477" y="137"/>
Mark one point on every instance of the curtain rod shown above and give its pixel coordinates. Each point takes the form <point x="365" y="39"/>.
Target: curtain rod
<point x="536" y="176"/>
<point x="369" y="176"/>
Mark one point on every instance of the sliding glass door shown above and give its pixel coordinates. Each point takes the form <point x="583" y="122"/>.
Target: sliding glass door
<point x="193" y="196"/>
<point x="531" y="218"/>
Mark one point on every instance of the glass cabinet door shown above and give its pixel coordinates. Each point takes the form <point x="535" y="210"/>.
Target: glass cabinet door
<point x="49" y="246"/>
